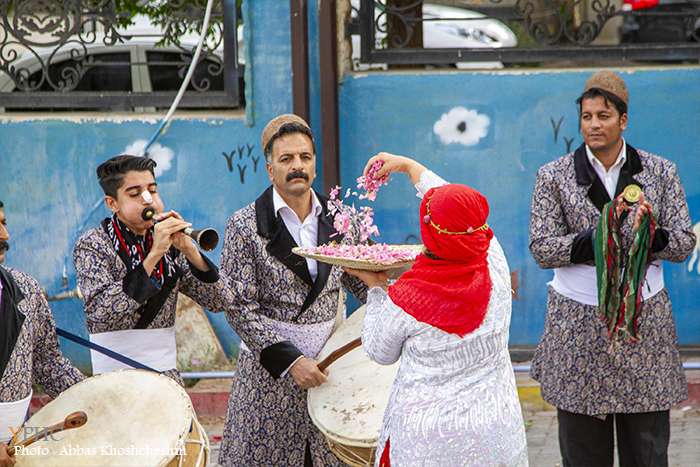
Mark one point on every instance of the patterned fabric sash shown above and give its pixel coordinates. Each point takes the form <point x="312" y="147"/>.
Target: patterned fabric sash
<point x="620" y="276"/>
<point x="133" y="249"/>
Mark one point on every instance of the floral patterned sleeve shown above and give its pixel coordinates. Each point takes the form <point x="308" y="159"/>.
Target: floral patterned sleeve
<point x="209" y="289"/>
<point x="674" y="219"/>
<point x="550" y="240"/>
<point x="104" y="294"/>
<point x="385" y="329"/>
<point x="238" y="267"/>
<point x="50" y="368"/>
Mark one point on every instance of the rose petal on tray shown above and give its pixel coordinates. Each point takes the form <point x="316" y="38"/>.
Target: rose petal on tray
<point x="377" y="257"/>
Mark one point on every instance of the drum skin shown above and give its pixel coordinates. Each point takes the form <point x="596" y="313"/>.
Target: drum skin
<point x="135" y="418"/>
<point x="348" y="409"/>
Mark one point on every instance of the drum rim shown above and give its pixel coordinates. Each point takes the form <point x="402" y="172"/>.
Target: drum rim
<point x="353" y="442"/>
<point x="180" y="390"/>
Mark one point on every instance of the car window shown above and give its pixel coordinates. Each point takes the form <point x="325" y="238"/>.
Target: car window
<point x="168" y="69"/>
<point x="99" y="72"/>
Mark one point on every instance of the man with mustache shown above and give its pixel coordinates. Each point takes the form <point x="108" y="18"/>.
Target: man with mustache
<point x="285" y="307"/>
<point x="29" y="351"/>
<point x="608" y="359"/>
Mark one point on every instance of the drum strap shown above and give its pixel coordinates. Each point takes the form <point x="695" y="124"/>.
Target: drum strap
<point x="103" y="350"/>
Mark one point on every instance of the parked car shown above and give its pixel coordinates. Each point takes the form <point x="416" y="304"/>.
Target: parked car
<point x="460" y="28"/>
<point x="138" y="64"/>
<point x="671" y="21"/>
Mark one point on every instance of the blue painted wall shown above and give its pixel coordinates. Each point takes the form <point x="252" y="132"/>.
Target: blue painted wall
<point x="396" y="112"/>
<point x="47" y="165"/>
<point x="47" y="168"/>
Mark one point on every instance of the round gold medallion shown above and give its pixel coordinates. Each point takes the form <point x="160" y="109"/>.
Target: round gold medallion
<point x="632" y="193"/>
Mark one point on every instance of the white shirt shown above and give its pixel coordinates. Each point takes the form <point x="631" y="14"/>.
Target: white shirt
<point x="305" y="233"/>
<point x="608" y="177"/>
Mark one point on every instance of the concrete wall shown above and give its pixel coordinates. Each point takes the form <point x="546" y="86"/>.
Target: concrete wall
<point x="47" y="167"/>
<point x="526" y="119"/>
<point x="47" y="164"/>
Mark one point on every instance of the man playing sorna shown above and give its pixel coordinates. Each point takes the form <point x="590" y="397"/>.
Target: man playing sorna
<point x="131" y="271"/>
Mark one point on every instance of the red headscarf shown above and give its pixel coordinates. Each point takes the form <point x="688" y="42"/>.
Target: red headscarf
<point x="450" y="293"/>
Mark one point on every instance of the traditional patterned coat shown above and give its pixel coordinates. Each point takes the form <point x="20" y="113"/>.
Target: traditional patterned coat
<point x="578" y="368"/>
<point x="268" y="421"/>
<point x="113" y="299"/>
<point x="36" y="358"/>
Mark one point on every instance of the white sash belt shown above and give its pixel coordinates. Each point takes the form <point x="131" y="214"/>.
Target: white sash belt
<point x="12" y="415"/>
<point x="153" y="347"/>
<point x="308" y="338"/>
<point x="579" y="282"/>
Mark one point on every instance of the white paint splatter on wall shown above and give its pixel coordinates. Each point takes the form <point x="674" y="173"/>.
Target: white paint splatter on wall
<point x="163" y="155"/>
<point x="463" y="126"/>
<point x="694" y="258"/>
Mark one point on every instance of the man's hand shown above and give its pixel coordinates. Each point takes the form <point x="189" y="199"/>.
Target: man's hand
<point x="396" y="164"/>
<point x="620" y="206"/>
<point x="163" y="233"/>
<point x="306" y="373"/>
<point x="643" y="208"/>
<point x="372" y="279"/>
<point x="187" y="246"/>
<point x="169" y="223"/>
<point x="5" y="459"/>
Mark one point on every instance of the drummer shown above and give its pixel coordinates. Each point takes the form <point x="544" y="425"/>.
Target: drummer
<point x="29" y="351"/>
<point x="454" y="400"/>
<point x="285" y="307"/>
<point x="131" y="271"/>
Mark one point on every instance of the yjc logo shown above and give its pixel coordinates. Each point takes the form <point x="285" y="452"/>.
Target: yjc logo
<point x="27" y="432"/>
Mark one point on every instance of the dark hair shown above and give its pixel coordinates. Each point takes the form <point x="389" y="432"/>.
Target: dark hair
<point x="288" y="129"/>
<point x="111" y="172"/>
<point x="1" y="205"/>
<point x="609" y="98"/>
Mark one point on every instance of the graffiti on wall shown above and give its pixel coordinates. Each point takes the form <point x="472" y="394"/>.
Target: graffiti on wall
<point x="240" y="158"/>
<point x="556" y="127"/>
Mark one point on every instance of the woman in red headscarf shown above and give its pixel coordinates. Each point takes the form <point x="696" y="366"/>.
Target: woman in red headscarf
<point x="454" y="400"/>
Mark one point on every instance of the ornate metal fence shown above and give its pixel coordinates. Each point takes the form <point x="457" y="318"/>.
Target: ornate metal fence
<point x="539" y="31"/>
<point x="116" y="54"/>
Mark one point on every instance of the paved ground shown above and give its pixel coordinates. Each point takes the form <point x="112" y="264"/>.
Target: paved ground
<point x="542" y="442"/>
<point x="684" y="451"/>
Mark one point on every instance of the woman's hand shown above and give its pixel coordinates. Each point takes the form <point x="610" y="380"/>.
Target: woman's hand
<point x="396" y="164"/>
<point x="371" y="278"/>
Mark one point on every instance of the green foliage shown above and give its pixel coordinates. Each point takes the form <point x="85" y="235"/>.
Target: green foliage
<point x="176" y="17"/>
